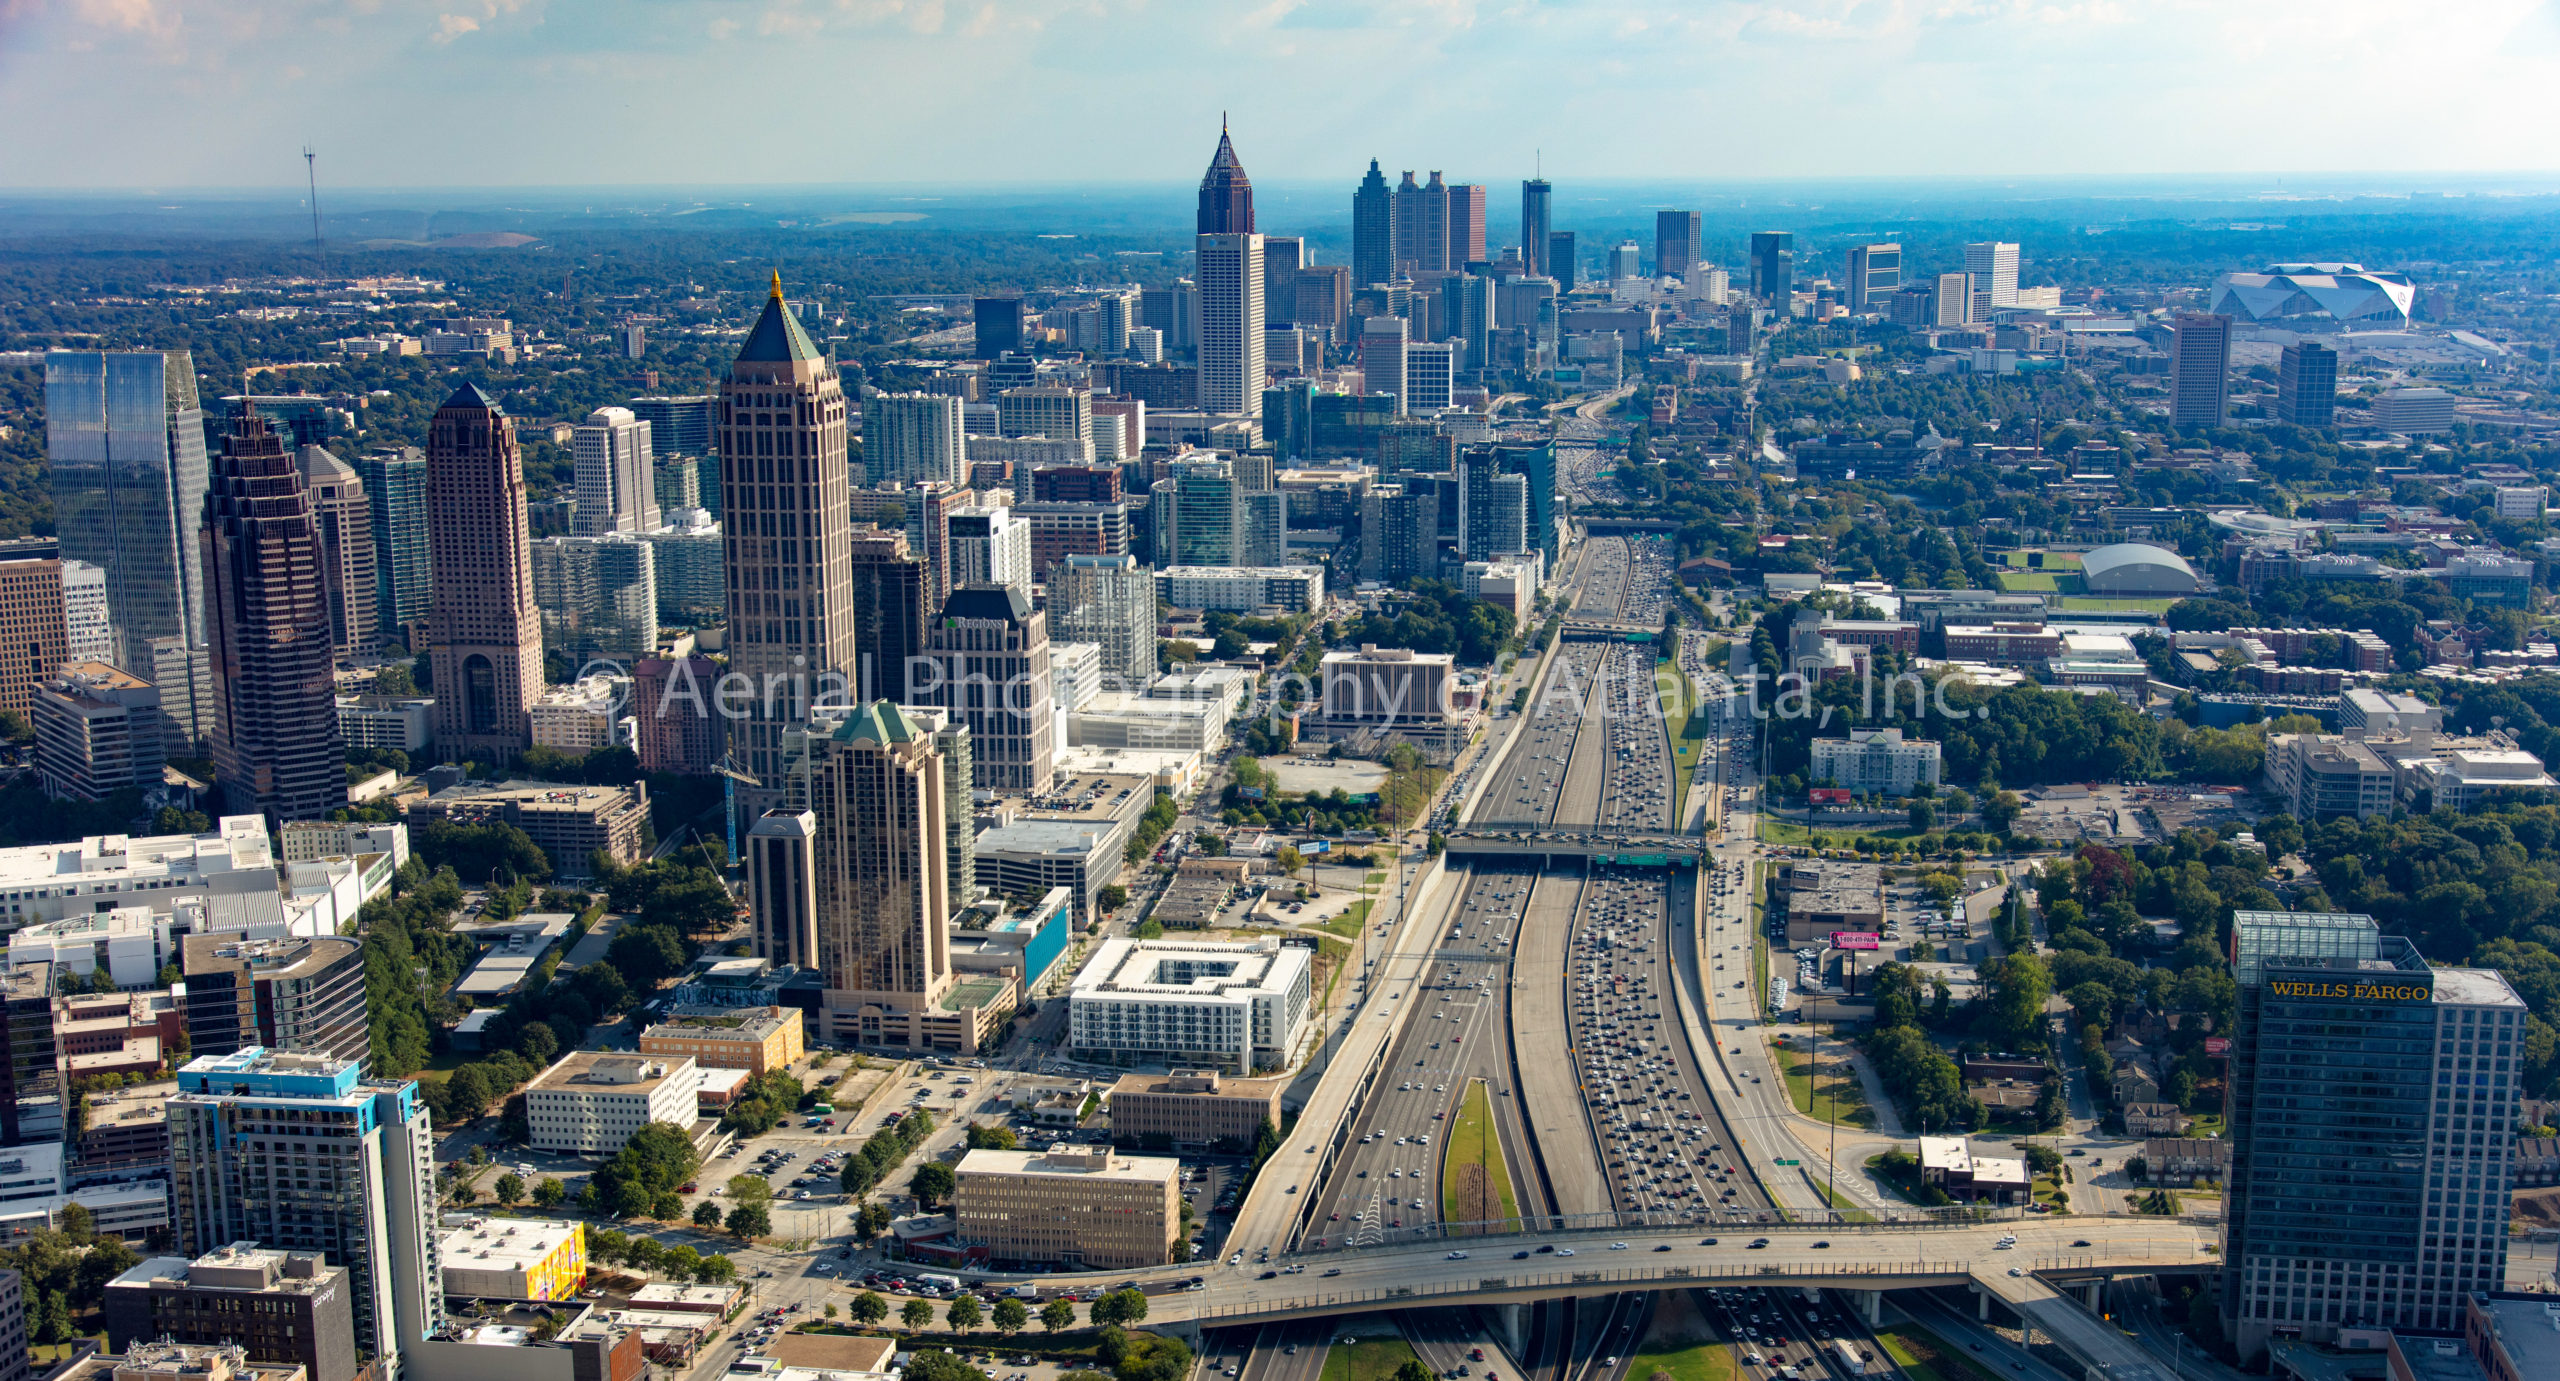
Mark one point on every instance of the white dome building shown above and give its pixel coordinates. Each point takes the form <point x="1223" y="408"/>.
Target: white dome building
<point x="2316" y="297"/>
<point x="2137" y="570"/>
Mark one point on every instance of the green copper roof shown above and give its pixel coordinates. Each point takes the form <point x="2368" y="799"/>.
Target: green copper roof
<point x="777" y="338"/>
<point x="880" y="721"/>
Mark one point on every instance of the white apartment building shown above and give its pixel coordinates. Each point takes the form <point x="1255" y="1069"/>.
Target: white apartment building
<point x="989" y="546"/>
<point x="1235" y="1006"/>
<point x="2516" y="505"/>
<point x="1110" y="602"/>
<point x="908" y="438"/>
<point x="580" y="717"/>
<point x="2414" y="411"/>
<point x="1876" y="760"/>
<point x="592" y="1101"/>
<point x="1242" y="589"/>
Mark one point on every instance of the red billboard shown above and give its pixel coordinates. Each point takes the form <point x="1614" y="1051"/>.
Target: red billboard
<point x="2217" y="1045"/>
<point x="1853" y="939"/>
<point x="1829" y="795"/>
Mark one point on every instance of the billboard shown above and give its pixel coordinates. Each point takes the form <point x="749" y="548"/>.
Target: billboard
<point x="1829" y="795"/>
<point x="1853" y="939"/>
<point x="1252" y="793"/>
<point x="2217" y="1045"/>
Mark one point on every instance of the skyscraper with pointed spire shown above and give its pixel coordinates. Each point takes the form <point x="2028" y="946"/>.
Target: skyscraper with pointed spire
<point x="790" y="565"/>
<point x="276" y="749"/>
<point x="1229" y="274"/>
<point x="486" y="647"/>
<point x="1537" y="200"/>
<point x="1373" y="231"/>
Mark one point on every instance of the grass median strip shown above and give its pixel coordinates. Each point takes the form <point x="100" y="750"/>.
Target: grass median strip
<point x="1370" y="1359"/>
<point x="1475" y="1184"/>
<point x="1921" y="1354"/>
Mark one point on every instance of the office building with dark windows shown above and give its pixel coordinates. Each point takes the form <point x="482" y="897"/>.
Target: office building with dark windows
<point x="2370" y="1107"/>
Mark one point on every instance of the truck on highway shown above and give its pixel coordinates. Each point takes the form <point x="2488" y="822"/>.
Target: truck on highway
<point x="1852" y="1361"/>
<point x="1812" y="1295"/>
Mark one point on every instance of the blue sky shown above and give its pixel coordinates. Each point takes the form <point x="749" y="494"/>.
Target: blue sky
<point x="196" y="93"/>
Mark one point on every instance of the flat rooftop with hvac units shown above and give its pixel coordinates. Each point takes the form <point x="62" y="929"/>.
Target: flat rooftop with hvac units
<point x="1240" y="1006"/>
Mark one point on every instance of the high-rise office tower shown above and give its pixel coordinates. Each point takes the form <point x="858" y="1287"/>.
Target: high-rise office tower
<point x="1626" y="261"/>
<point x="1994" y="266"/>
<point x="1773" y="266"/>
<point x="2199" y="369"/>
<point x="1493" y="507"/>
<point x="1382" y="357"/>
<point x="1399" y="533"/>
<point x="1422" y="225"/>
<point x="863" y="856"/>
<point x="1373" y="230"/>
<point x="998" y="321"/>
<point x="891" y="601"/>
<point x="687" y="425"/>
<point x="911" y="437"/>
<point x="2370" y="1107"/>
<point x="486" y="647"/>
<point x="1537" y="206"/>
<point x="1875" y="273"/>
<point x="303" y="1153"/>
<point x="2307" y="385"/>
<point x="1466" y="224"/>
<point x="1476" y="318"/>
<point x="1282" y="257"/>
<point x="1563" y="259"/>
<point x="32" y="1060"/>
<point x="125" y="441"/>
<point x="1199" y="514"/>
<point x="1229" y="256"/>
<point x="344" y="517"/>
<point x="782" y="453"/>
<point x="1430" y="376"/>
<point x="929" y="510"/>
<point x="35" y="625"/>
<point x="1109" y="601"/>
<point x="276" y="749"/>
<point x="1953" y="300"/>
<point x="1323" y="297"/>
<point x="395" y="490"/>
<point x="1265" y="534"/>
<point x="1677" y="243"/>
<point x="990" y="546"/>
<point x="616" y="491"/>
<point x="598" y="597"/>
<point x="990" y="651"/>
<point x="88" y="631"/>
<point x="1051" y="410"/>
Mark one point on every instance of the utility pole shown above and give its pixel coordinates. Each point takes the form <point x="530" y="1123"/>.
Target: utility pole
<point x="311" y="177"/>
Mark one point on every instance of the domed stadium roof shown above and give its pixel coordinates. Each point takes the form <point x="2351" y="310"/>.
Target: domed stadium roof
<point x="2316" y="293"/>
<point x="2136" y="568"/>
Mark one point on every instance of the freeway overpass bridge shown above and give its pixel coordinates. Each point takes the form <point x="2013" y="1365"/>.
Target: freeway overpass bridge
<point x="1636" y="848"/>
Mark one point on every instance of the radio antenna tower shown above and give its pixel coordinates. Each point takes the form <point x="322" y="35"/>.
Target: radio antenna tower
<point x="311" y="175"/>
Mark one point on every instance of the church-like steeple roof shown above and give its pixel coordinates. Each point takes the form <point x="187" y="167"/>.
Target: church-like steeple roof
<point x="777" y="338"/>
<point x="1226" y="194"/>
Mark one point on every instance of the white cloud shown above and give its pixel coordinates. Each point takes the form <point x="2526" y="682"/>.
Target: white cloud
<point x="452" y="26"/>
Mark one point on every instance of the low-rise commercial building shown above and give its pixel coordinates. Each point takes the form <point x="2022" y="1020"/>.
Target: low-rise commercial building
<point x="1240" y="1006"/>
<point x="1952" y="1165"/>
<point x="1084" y="1207"/>
<point x="570" y="823"/>
<point x="1821" y="896"/>
<point x="308" y="841"/>
<point x="165" y="1361"/>
<point x="1387" y="686"/>
<point x="758" y="1040"/>
<point x="97" y="732"/>
<point x="515" y="1258"/>
<point x="592" y="1101"/>
<point x="1194" y="1107"/>
<point x="284" y="1308"/>
<point x="402" y="722"/>
<point x="230" y="867"/>
<point x="2003" y="644"/>
<point x="2324" y="776"/>
<point x="1242" y="589"/>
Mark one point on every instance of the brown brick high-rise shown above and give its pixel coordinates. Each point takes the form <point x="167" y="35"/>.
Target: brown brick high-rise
<point x="486" y="648"/>
<point x="787" y="516"/>
<point x="34" y="639"/>
<point x="276" y="749"/>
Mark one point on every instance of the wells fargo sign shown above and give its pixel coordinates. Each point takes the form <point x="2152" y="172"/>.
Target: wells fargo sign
<point x="2356" y="991"/>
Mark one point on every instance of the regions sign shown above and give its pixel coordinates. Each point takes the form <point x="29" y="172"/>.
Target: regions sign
<point x="2357" y="991"/>
<point x="1853" y="939"/>
<point x="1830" y="795"/>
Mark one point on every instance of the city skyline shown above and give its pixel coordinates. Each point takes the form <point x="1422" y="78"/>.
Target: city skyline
<point x="953" y="83"/>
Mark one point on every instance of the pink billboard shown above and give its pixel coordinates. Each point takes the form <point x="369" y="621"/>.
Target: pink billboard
<point x="1853" y="939"/>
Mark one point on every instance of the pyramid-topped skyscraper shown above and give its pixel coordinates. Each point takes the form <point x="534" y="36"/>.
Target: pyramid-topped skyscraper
<point x="788" y="503"/>
<point x="1230" y="288"/>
